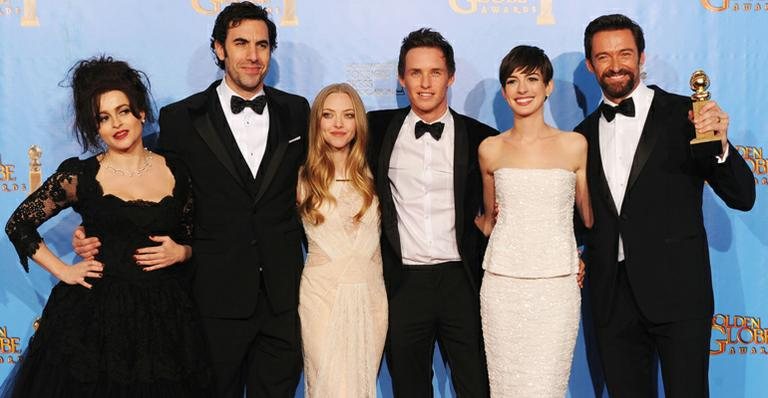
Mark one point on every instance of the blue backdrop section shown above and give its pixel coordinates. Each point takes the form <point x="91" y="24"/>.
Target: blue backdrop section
<point x="320" y="42"/>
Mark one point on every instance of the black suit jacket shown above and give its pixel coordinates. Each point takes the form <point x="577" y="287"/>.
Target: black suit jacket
<point x="660" y="221"/>
<point x="242" y="223"/>
<point x="384" y="127"/>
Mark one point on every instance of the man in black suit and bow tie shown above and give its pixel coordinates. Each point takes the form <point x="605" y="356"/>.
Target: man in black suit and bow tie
<point x="647" y="256"/>
<point x="424" y="161"/>
<point x="243" y="143"/>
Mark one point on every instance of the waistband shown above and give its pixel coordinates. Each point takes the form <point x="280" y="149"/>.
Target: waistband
<point x="434" y="267"/>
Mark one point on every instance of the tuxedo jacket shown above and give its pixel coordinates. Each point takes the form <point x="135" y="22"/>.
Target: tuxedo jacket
<point x="246" y="228"/>
<point x="660" y="220"/>
<point x="384" y="128"/>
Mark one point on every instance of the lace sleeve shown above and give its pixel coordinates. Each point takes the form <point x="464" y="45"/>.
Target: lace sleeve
<point x="183" y="192"/>
<point x="58" y="192"/>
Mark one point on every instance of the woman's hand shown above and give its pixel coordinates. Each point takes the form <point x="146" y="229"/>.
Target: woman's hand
<point x="484" y="223"/>
<point x="75" y="274"/>
<point x="166" y="254"/>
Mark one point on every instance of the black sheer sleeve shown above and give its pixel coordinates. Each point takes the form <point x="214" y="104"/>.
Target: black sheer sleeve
<point x="58" y="192"/>
<point x="184" y="195"/>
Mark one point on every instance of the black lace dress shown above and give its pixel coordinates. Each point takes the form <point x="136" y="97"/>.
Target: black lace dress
<point x="136" y="333"/>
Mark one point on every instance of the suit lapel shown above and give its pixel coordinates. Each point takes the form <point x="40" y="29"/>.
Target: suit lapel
<point x="277" y="119"/>
<point x="227" y="137"/>
<point x="596" y="161"/>
<point x="382" y="178"/>
<point x="205" y="128"/>
<point x="648" y="139"/>
<point x="460" y="169"/>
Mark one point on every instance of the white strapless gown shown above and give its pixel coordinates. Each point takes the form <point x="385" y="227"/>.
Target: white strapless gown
<point x="530" y="301"/>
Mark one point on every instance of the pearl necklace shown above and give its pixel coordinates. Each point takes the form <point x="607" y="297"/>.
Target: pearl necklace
<point x="131" y="173"/>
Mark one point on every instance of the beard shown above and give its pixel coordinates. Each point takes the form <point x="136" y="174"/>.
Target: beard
<point x="617" y="90"/>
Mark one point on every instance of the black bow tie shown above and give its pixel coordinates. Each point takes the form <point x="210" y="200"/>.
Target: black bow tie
<point x="237" y="104"/>
<point x="434" y="129"/>
<point x="626" y="108"/>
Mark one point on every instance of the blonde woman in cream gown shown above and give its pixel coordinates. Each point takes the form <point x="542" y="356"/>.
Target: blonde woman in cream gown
<point x="342" y="301"/>
<point x="530" y="298"/>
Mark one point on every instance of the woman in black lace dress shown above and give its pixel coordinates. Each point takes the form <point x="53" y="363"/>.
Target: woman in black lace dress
<point x="122" y="323"/>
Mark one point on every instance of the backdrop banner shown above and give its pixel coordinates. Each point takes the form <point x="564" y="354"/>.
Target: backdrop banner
<point x="320" y="42"/>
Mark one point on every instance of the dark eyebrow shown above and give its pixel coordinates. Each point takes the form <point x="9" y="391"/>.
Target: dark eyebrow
<point x="116" y="108"/>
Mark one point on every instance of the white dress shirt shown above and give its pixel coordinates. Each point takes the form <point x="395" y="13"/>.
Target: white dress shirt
<point x="618" y="143"/>
<point x="248" y="127"/>
<point x="421" y="179"/>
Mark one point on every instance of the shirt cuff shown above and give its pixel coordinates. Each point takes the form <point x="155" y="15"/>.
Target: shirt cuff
<point x="722" y="158"/>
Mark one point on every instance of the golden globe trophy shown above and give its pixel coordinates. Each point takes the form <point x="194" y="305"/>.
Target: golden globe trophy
<point x="29" y="17"/>
<point x="289" y="17"/>
<point x="545" y="16"/>
<point x="705" y="143"/>
<point x="35" y="173"/>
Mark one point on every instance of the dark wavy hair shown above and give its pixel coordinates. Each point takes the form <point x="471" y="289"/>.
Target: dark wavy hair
<point x="528" y="59"/>
<point x="89" y="79"/>
<point x="231" y="16"/>
<point x="426" y="37"/>
<point x="612" y="22"/>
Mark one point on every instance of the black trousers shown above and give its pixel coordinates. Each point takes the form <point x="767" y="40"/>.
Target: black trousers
<point x="629" y="345"/>
<point x="260" y="354"/>
<point x="435" y="303"/>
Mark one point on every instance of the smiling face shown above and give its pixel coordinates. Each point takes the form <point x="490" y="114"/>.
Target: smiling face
<point x="526" y="92"/>
<point x="337" y="121"/>
<point x="426" y="80"/>
<point x="118" y="127"/>
<point x="246" y="53"/>
<point x="615" y="61"/>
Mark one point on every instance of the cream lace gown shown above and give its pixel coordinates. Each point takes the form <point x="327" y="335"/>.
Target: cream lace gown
<point x="343" y="304"/>
<point x="529" y="300"/>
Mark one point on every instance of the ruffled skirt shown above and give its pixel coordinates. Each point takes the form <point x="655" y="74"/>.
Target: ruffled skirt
<point x="120" y="339"/>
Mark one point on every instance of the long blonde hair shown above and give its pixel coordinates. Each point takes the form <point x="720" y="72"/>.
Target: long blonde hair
<point x="318" y="172"/>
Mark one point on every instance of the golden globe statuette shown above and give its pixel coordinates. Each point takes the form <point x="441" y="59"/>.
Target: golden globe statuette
<point x="289" y="17"/>
<point x="545" y="16"/>
<point x="29" y="17"/>
<point x="35" y="173"/>
<point x="705" y="143"/>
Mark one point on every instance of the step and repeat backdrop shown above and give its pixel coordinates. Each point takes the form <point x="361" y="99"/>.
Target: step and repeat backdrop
<point x="320" y="42"/>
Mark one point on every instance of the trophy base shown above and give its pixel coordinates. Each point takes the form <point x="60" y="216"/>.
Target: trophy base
<point x="706" y="147"/>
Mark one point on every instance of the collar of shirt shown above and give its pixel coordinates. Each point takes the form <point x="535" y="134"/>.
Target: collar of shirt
<point x="447" y="118"/>
<point x="225" y="96"/>
<point x="642" y="97"/>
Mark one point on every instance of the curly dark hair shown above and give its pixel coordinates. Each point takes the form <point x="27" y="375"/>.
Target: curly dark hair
<point x="426" y="37"/>
<point x="89" y="79"/>
<point x="528" y="59"/>
<point x="613" y="22"/>
<point x="231" y="16"/>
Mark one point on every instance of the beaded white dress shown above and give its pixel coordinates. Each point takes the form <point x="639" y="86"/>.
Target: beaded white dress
<point x="342" y="300"/>
<point x="530" y="300"/>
